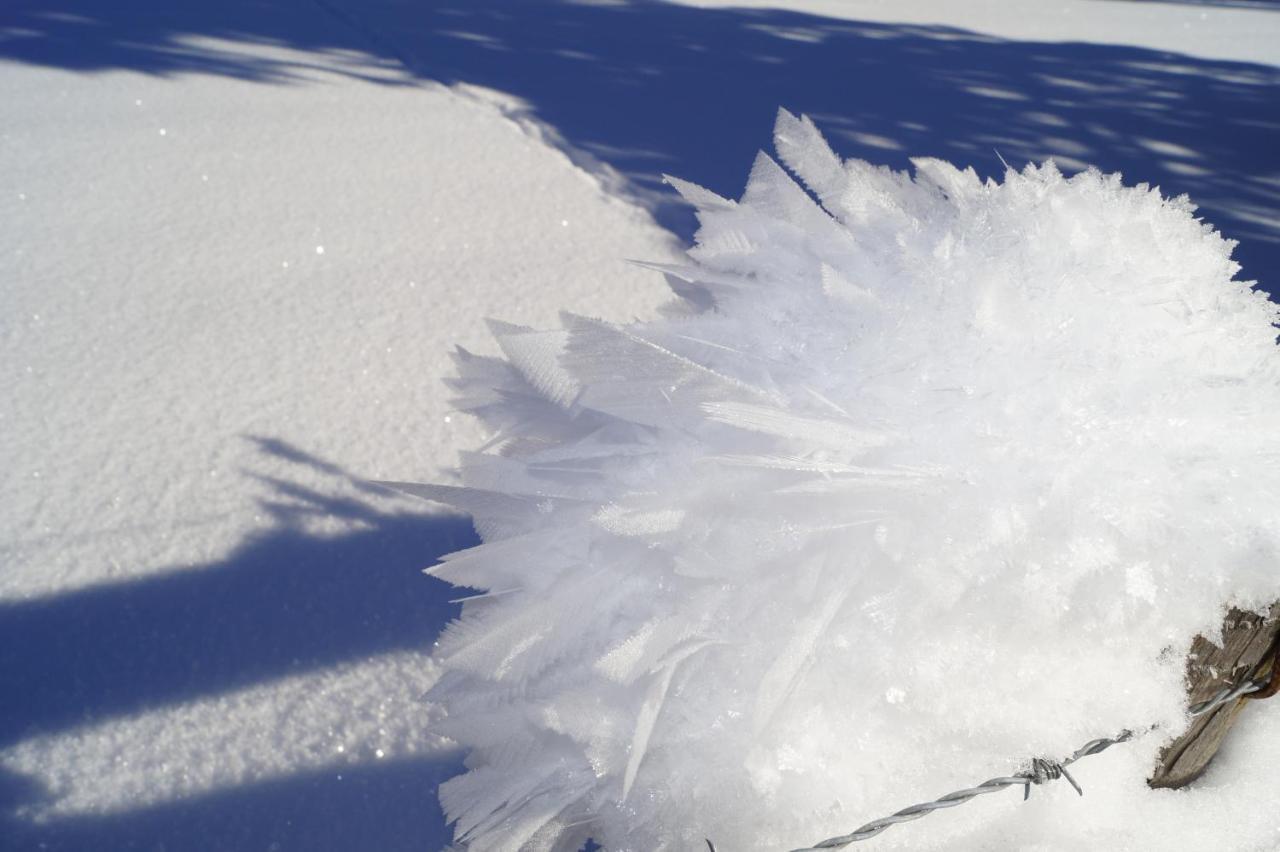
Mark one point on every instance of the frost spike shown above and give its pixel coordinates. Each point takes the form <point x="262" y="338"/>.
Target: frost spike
<point x="630" y="377"/>
<point x="536" y="354"/>
<point x="801" y="147"/>
<point x="699" y="197"/>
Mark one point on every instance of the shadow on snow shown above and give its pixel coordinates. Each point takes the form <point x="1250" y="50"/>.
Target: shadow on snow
<point x="646" y="87"/>
<point x="388" y="807"/>
<point x="284" y="602"/>
<point x="643" y="87"/>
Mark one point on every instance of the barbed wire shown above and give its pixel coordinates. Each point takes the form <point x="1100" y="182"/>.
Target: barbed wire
<point x="1040" y="771"/>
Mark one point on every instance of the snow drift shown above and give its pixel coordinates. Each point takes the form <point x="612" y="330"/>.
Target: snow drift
<point x="916" y="481"/>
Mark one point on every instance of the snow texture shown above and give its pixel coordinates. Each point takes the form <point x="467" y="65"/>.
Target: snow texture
<point x="223" y="299"/>
<point x="921" y="477"/>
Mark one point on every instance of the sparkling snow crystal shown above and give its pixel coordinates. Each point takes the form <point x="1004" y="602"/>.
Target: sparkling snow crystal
<point x="923" y="476"/>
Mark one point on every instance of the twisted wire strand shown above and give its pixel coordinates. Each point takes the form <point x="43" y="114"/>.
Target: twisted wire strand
<point x="1225" y="695"/>
<point x="1040" y="771"/>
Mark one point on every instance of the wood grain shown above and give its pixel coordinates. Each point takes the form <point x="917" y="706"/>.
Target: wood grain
<point x="1247" y="650"/>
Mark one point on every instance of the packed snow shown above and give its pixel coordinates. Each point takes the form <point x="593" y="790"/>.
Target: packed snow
<point x="237" y="244"/>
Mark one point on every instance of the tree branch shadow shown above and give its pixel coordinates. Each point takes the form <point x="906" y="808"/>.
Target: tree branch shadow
<point x="643" y="87"/>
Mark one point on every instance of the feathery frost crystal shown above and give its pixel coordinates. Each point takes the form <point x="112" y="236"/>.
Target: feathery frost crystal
<point x="920" y="477"/>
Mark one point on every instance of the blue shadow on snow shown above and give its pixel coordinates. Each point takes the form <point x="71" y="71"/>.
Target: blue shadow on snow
<point x="646" y="87"/>
<point x="284" y="602"/>
<point x="387" y="807"/>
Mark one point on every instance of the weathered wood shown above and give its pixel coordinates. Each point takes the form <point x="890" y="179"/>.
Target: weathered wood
<point x="1248" y="650"/>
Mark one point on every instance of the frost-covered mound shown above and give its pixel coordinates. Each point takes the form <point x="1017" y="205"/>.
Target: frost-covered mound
<point x="916" y="484"/>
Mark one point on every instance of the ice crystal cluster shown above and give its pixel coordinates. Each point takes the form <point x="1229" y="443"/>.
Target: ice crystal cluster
<point x="923" y="475"/>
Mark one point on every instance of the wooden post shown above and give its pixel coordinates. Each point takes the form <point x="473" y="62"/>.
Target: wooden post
<point x="1249" y="646"/>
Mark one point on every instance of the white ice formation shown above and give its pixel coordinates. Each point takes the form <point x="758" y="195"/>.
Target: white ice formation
<point x="919" y="466"/>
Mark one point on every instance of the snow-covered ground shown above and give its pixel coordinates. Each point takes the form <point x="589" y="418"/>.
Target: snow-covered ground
<point x="238" y="241"/>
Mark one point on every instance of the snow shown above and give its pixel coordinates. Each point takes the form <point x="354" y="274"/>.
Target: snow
<point x="297" y="723"/>
<point x="310" y="299"/>
<point x="1236" y="30"/>
<point x="238" y="241"/>
<point x="226" y="304"/>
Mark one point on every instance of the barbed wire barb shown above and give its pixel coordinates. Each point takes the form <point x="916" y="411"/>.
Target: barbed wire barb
<point x="1040" y="771"/>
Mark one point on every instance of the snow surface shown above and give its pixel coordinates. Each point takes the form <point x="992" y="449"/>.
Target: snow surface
<point x="226" y="302"/>
<point x="187" y="422"/>
<point x="1235" y="30"/>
